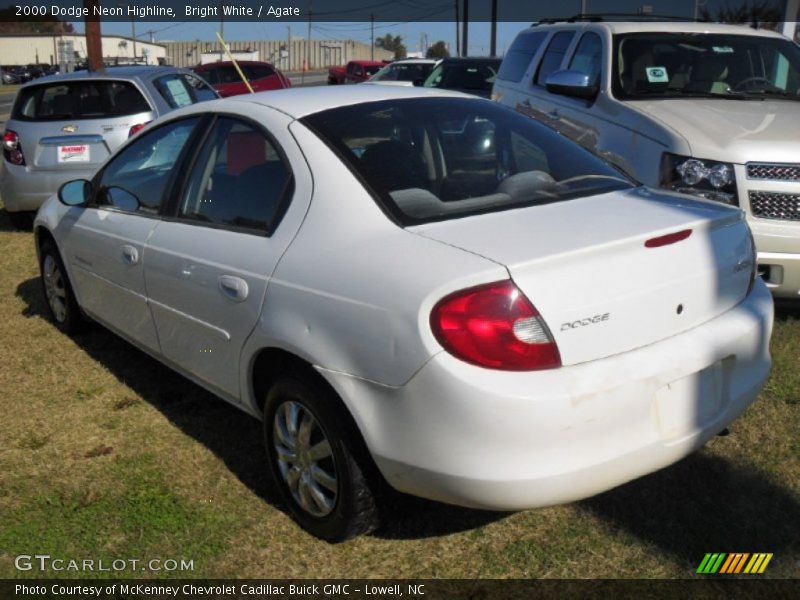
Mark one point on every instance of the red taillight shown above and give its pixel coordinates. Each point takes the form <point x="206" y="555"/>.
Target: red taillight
<point x="136" y="129"/>
<point x="11" y="148"/>
<point x="666" y="240"/>
<point x="494" y="326"/>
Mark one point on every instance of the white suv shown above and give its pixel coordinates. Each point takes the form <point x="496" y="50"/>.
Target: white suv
<point x="705" y="109"/>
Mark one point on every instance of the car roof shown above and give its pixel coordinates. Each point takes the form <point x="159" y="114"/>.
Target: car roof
<point x="302" y="101"/>
<point x="227" y="63"/>
<point x="622" y="27"/>
<point x="471" y="59"/>
<point x="133" y="72"/>
<point x="415" y="60"/>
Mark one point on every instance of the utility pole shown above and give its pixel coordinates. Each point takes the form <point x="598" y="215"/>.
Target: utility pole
<point x="372" y="37"/>
<point x="458" y="34"/>
<point x="306" y="61"/>
<point x="288" y="47"/>
<point x="465" y="37"/>
<point x="133" y="35"/>
<point x="94" y="41"/>
<point x="493" y="44"/>
<point x="221" y="29"/>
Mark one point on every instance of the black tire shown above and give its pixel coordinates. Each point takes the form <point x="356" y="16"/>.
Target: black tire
<point x="67" y="315"/>
<point x="352" y="507"/>
<point x="22" y="221"/>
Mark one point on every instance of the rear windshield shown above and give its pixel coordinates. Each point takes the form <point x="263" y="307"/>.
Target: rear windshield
<point x="79" y="100"/>
<point x="404" y="72"/>
<point x="464" y="76"/>
<point x="432" y="159"/>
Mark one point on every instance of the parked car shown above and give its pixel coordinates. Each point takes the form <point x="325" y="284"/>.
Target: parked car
<point x="493" y="318"/>
<point x="705" y="109"/>
<point x="65" y="126"/>
<point x="356" y="71"/>
<point x="8" y="76"/>
<point x="469" y="75"/>
<point x="404" y="72"/>
<point x="262" y="76"/>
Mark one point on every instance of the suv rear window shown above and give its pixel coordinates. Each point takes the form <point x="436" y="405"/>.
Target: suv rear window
<point x="79" y="100"/>
<point x="433" y="159"/>
<point x="520" y="54"/>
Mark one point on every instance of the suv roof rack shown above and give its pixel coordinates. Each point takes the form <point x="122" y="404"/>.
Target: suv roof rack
<point x="601" y="17"/>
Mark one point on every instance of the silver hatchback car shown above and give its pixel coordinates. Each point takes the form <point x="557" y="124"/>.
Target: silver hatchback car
<point x="64" y="127"/>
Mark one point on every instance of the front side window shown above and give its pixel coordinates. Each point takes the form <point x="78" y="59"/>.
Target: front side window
<point x="588" y="57"/>
<point x="80" y="100"/>
<point x="431" y="159"/>
<point x="239" y="180"/>
<point x="554" y="55"/>
<point x="135" y="180"/>
<point x="662" y="65"/>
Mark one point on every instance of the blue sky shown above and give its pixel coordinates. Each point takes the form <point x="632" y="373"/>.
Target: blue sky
<point x="411" y="32"/>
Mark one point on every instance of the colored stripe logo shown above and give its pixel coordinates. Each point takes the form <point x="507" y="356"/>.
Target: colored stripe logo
<point x="734" y="563"/>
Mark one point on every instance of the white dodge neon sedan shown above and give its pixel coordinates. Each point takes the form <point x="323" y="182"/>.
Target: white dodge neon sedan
<point x="419" y="286"/>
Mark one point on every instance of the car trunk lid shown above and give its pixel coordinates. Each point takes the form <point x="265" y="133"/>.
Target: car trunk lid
<point x="618" y="271"/>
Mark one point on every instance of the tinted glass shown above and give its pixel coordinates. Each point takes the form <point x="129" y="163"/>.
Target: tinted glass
<point x="180" y="89"/>
<point x="687" y="64"/>
<point x="239" y="180"/>
<point x="403" y="72"/>
<point x="228" y="75"/>
<point x="431" y="159"/>
<point x="371" y="70"/>
<point x="257" y="71"/>
<point x="520" y="54"/>
<point x="141" y="171"/>
<point x="588" y="57"/>
<point x="80" y="100"/>
<point x="463" y="75"/>
<point x="210" y="75"/>
<point x="554" y="56"/>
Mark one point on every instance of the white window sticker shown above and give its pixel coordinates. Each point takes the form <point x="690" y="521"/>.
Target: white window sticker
<point x="73" y="154"/>
<point x="722" y="49"/>
<point x="657" y="75"/>
<point x="177" y="90"/>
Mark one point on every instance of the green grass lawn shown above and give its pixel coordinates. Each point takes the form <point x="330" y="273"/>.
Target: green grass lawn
<point x="106" y="454"/>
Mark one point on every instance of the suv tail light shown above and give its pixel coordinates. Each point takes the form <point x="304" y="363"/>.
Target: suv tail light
<point x="12" y="149"/>
<point x="136" y="129"/>
<point x="494" y="326"/>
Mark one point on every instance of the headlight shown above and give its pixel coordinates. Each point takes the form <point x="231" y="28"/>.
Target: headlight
<point x="705" y="178"/>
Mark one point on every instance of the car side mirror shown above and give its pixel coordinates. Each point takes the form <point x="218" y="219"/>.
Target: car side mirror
<point x="571" y="83"/>
<point x="75" y="193"/>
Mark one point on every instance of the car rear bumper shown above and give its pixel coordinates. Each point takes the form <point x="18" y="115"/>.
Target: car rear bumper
<point x="22" y="189"/>
<point x="508" y="441"/>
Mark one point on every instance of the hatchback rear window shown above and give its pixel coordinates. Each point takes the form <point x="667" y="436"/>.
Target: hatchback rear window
<point x="432" y="159"/>
<point x="257" y="71"/>
<point x="79" y="100"/>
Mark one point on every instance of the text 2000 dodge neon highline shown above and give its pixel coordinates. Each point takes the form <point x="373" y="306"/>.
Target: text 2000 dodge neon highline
<point x="418" y="286"/>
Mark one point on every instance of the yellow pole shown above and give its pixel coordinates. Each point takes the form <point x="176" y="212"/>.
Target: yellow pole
<point x="235" y="64"/>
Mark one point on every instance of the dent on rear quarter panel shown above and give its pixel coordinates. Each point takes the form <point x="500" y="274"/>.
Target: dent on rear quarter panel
<point x="353" y="292"/>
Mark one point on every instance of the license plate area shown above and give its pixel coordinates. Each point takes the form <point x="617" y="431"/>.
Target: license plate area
<point x="693" y="402"/>
<point x="74" y="153"/>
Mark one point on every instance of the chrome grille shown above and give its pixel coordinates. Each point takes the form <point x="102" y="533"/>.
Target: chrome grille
<point x="773" y="172"/>
<point x="775" y="205"/>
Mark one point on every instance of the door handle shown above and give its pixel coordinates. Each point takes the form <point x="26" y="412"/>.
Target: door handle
<point x="233" y="288"/>
<point x="130" y="255"/>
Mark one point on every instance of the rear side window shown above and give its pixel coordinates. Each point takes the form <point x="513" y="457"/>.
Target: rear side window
<point x="181" y="89"/>
<point x="554" y="56"/>
<point x="80" y="100"/>
<point x="520" y="54"/>
<point x="239" y="180"/>
<point x="257" y="71"/>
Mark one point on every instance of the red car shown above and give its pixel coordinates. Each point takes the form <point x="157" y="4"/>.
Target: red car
<point x="226" y="80"/>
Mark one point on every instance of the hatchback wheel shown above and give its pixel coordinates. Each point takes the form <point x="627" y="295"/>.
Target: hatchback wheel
<point x="315" y="468"/>
<point x="61" y="303"/>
